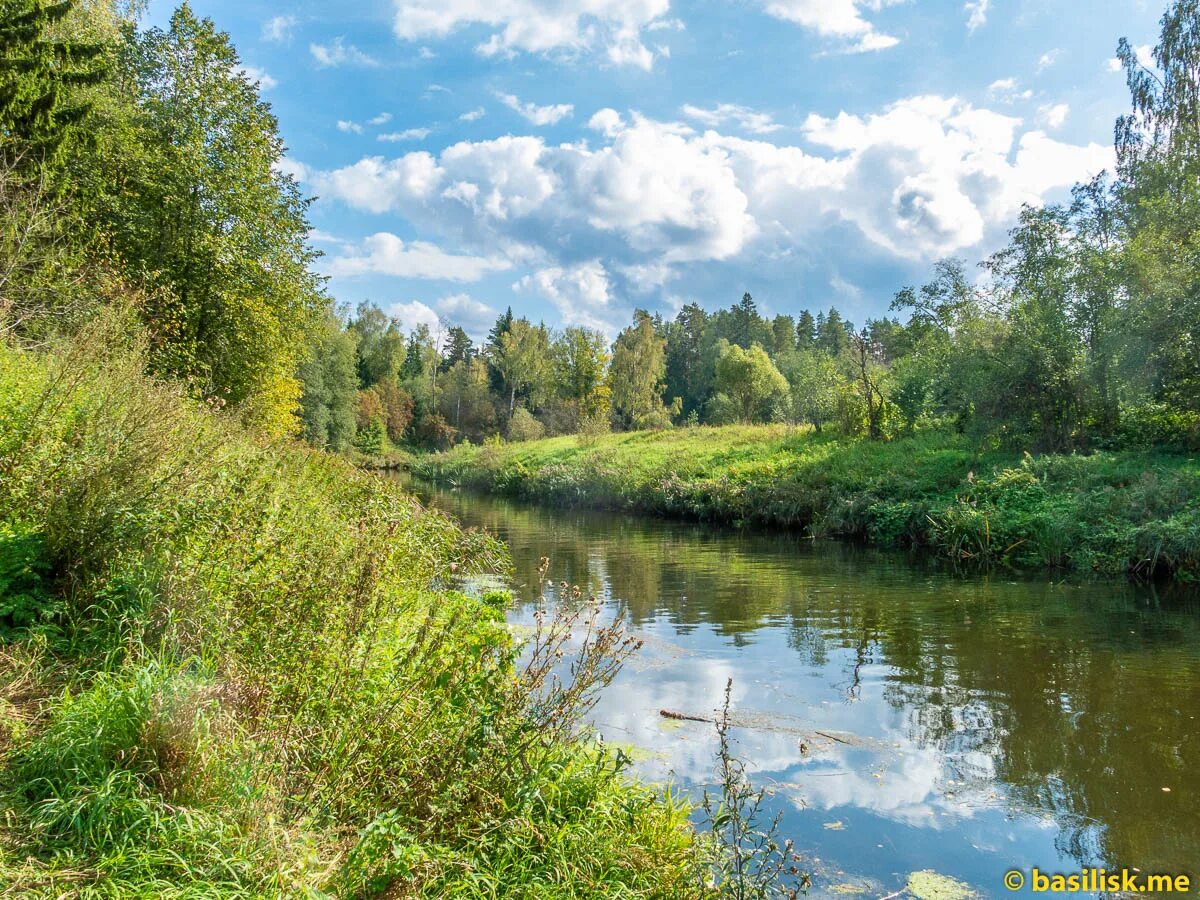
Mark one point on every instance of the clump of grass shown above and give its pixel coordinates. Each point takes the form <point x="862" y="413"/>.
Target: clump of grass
<point x="1135" y="511"/>
<point x="240" y="669"/>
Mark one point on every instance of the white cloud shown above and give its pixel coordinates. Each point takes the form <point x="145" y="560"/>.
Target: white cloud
<point x="386" y="254"/>
<point x="931" y="175"/>
<point x="1008" y="90"/>
<point x="607" y="121"/>
<point x="465" y="311"/>
<point x="741" y="116"/>
<point x="538" y="115"/>
<point x="977" y="12"/>
<point x="568" y="27"/>
<point x="473" y="115"/>
<point x="654" y="190"/>
<point x="279" y="29"/>
<point x="408" y="134"/>
<point x="580" y="293"/>
<point x="1052" y="115"/>
<point x="924" y="177"/>
<point x="415" y="313"/>
<point x="339" y="53"/>
<point x="381" y="119"/>
<point x="1047" y="59"/>
<point x="349" y="127"/>
<point x="260" y="76"/>
<point x="838" y="19"/>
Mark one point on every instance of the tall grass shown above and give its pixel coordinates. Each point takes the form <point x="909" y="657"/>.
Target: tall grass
<point x="1132" y="512"/>
<point x="234" y="668"/>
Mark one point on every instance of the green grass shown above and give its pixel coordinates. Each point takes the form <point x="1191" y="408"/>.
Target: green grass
<point x="230" y="668"/>
<point x="1111" y="512"/>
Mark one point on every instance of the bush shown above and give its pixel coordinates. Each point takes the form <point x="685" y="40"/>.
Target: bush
<point x="524" y="427"/>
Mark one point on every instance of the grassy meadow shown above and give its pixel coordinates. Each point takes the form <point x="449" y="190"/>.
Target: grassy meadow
<point x="236" y="668"/>
<point x="1108" y="512"/>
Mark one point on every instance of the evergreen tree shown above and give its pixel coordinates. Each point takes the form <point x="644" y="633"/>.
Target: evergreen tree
<point x="806" y="330"/>
<point x="458" y="348"/>
<point x="41" y="77"/>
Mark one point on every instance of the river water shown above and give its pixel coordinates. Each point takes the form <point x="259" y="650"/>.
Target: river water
<point x="903" y="718"/>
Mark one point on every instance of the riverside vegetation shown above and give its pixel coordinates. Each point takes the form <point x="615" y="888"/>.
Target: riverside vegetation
<point x="232" y="668"/>
<point x="1121" y="512"/>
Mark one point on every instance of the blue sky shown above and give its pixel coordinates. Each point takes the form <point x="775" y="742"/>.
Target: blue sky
<point x="577" y="159"/>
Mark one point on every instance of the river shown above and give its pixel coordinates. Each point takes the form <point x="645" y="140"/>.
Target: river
<point x="902" y="717"/>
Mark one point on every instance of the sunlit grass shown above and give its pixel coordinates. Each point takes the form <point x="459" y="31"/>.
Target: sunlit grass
<point x="232" y="668"/>
<point x="1112" y="512"/>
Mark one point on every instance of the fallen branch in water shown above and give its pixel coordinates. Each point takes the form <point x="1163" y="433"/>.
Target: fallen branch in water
<point x="683" y="717"/>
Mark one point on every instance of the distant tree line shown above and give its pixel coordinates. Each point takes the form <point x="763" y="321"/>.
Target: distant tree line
<point x="1082" y="331"/>
<point x="140" y="166"/>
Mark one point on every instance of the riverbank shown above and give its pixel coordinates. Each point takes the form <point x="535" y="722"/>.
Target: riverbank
<point x="1131" y="512"/>
<point x="234" y="668"/>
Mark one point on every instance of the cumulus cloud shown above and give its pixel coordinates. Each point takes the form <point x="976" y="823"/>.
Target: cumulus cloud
<point x="924" y="177"/>
<point x="841" y="20"/>
<point x="463" y="310"/>
<point x="538" y="115"/>
<point x="385" y="254"/>
<point x="1047" y="59"/>
<point x="580" y="293"/>
<point x="473" y="115"/>
<point x="259" y="76"/>
<point x="278" y="29"/>
<point x="381" y="119"/>
<point x="1052" y="115"/>
<point x="740" y="116"/>
<point x="930" y="175"/>
<point x="414" y="313"/>
<point x="348" y="127"/>
<point x="612" y="27"/>
<point x="339" y="53"/>
<point x="408" y="134"/>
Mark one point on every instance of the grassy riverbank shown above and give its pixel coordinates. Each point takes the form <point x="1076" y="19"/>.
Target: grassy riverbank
<point x="231" y="668"/>
<point x="1108" y="512"/>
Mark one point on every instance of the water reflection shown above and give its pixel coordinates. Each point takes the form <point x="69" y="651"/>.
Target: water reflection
<point x="971" y="725"/>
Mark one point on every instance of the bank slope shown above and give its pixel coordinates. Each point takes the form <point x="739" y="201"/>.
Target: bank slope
<point x="230" y="668"/>
<point x="1124" y="512"/>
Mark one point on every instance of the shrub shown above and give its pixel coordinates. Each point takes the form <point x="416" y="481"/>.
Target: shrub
<point x="524" y="427"/>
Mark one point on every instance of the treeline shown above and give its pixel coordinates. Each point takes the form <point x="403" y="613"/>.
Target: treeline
<point x="1083" y="331"/>
<point x="143" y="163"/>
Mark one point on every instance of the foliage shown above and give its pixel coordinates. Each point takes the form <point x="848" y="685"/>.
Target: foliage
<point x="327" y="380"/>
<point x="253" y="680"/>
<point x="636" y="377"/>
<point x="43" y="105"/>
<point x="196" y="205"/>
<point x="524" y="427"/>
<point x="748" y="385"/>
<point x="971" y="503"/>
